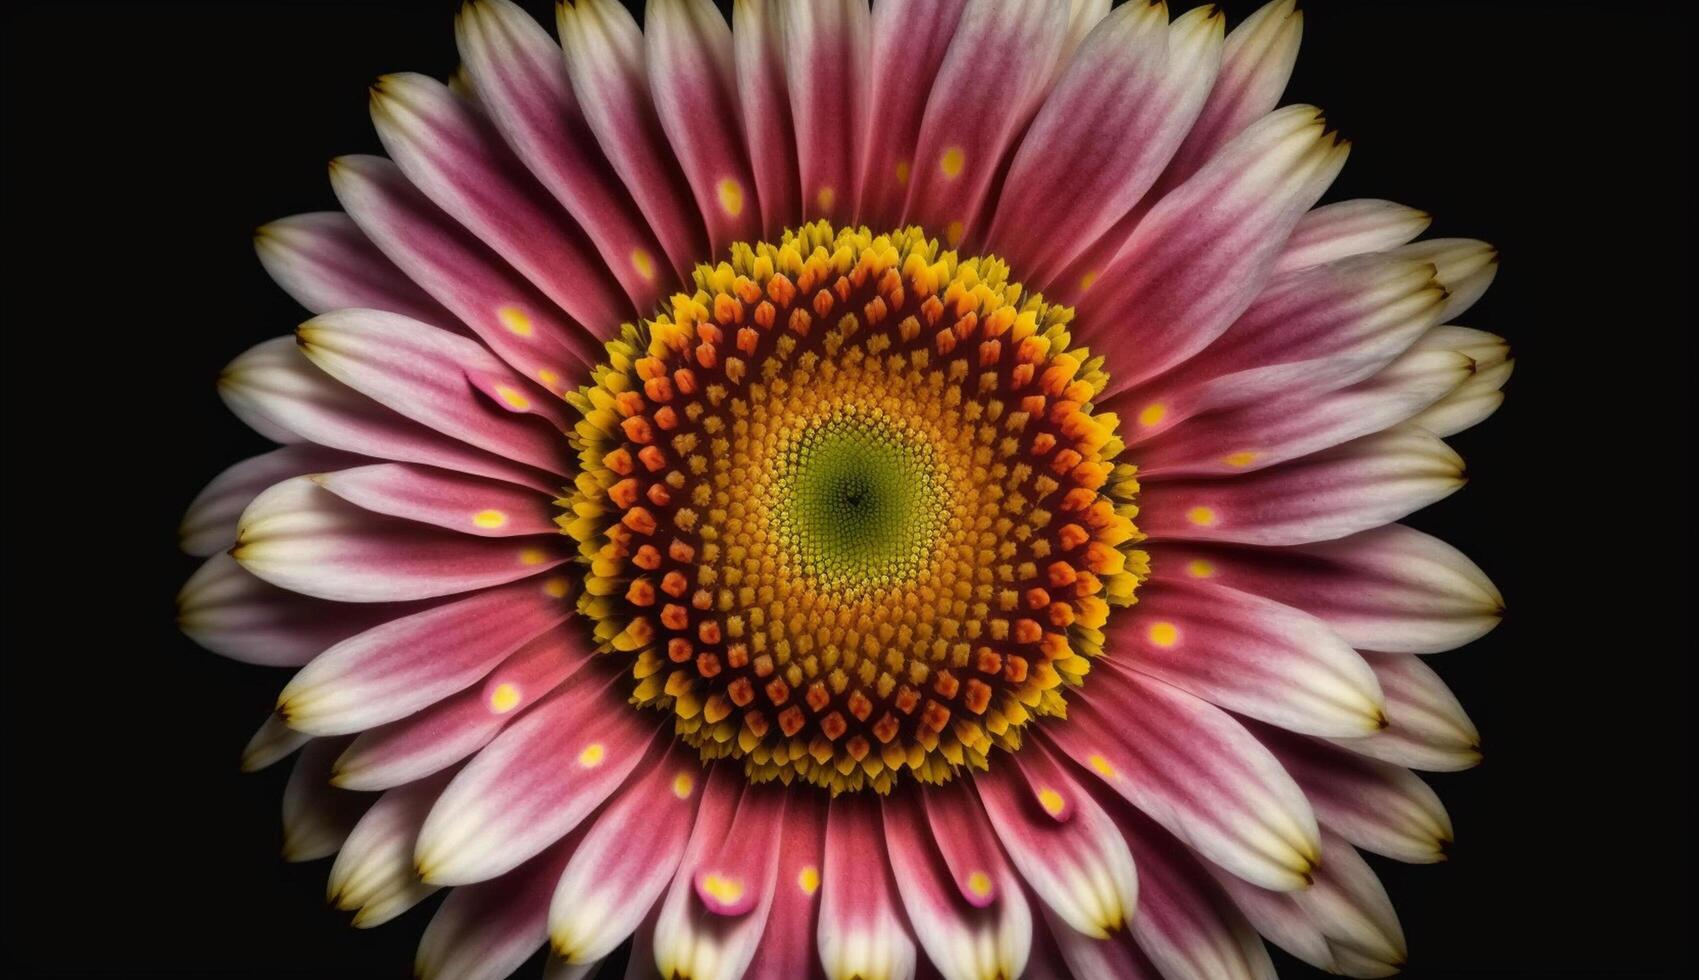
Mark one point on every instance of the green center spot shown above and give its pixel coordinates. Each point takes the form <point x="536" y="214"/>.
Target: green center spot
<point x="860" y="501"/>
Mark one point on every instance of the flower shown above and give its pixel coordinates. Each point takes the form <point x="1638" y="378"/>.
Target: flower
<point x="853" y="487"/>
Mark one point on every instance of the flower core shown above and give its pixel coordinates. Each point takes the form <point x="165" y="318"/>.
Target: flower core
<point x="849" y="509"/>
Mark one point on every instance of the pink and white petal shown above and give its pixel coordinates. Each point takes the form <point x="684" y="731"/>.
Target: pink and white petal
<point x="787" y="944"/>
<point x="827" y="54"/>
<point x="1250" y="655"/>
<point x="969" y="914"/>
<point x="301" y="537"/>
<point x="1391" y="588"/>
<point x="1466" y="266"/>
<point x="451" y="153"/>
<point x="606" y="61"/>
<point x="209" y="526"/>
<point x="451" y="729"/>
<point x="1480" y="394"/>
<point x="524" y="88"/>
<point x="535" y="781"/>
<point x="694" y="82"/>
<point x="230" y="611"/>
<point x="326" y="263"/>
<point x="1256" y="63"/>
<point x="373" y="876"/>
<point x="1375" y="805"/>
<point x="393" y="670"/>
<point x="862" y="929"/>
<point x="1196" y="771"/>
<point x="991" y="81"/>
<point x="759" y="59"/>
<point x="1360" y="485"/>
<point x="1350" y="906"/>
<point x="455" y="501"/>
<point x="907" y="47"/>
<point x="1102" y="137"/>
<point x="488" y="930"/>
<point x="1062" y="841"/>
<point x="504" y="309"/>
<point x="1082" y="956"/>
<point x="1196" y="261"/>
<point x="316" y="815"/>
<point x="1279" y="918"/>
<point x="1083" y="18"/>
<point x="273" y="742"/>
<point x="1346" y="228"/>
<point x="1427" y="727"/>
<point x="449" y="383"/>
<point x="627" y="857"/>
<point x="273" y="385"/>
<point x="1298" y="423"/>
<point x="712" y="918"/>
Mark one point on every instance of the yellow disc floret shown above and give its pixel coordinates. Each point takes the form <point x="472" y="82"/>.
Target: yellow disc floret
<point x="849" y="510"/>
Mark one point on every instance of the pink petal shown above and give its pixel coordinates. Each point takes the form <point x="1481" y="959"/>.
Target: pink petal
<point x="907" y="48"/>
<point x="299" y="536"/>
<point x="1350" y="906"/>
<point x="488" y="930"/>
<point x="826" y="47"/>
<point x="787" y="945"/>
<point x="326" y="263"/>
<point x="759" y="59"/>
<point x="316" y="815"/>
<point x="1479" y="395"/>
<point x="862" y="929"/>
<point x="1427" y="727"/>
<point x="1280" y="919"/>
<point x="1117" y="956"/>
<point x="1345" y="228"/>
<point x="373" y="876"/>
<point x="209" y="526"/>
<point x="1466" y="266"/>
<point x="469" y="504"/>
<point x="524" y="87"/>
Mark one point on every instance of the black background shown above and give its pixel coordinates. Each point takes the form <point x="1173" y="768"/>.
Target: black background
<point x="143" y="143"/>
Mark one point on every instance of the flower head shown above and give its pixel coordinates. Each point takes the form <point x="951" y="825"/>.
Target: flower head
<point x="854" y="487"/>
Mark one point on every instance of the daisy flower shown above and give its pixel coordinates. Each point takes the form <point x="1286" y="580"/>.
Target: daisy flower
<point x="858" y="491"/>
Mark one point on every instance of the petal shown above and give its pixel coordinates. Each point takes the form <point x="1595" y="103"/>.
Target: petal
<point x="991" y="81"/>
<point x="605" y="59"/>
<point x="1202" y="253"/>
<point x="1427" y="727"/>
<point x="511" y="315"/>
<point x="759" y="60"/>
<point x="299" y="536"/>
<point x="625" y="860"/>
<point x="452" y="154"/>
<point x="1479" y="395"/>
<point x="1198" y="773"/>
<point x="787" y="945"/>
<point x="326" y="263"/>
<point x="273" y="385"/>
<point x="1360" y="485"/>
<point x="523" y="85"/>
<point x="230" y="611"/>
<point x="1392" y="588"/>
<point x="1377" y="806"/>
<point x="1280" y="919"/>
<point x="1345" y="228"/>
<point x="1247" y="654"/>
<point x="826" y="47"/>
<point x="488" y="930"/>
<point x="209" y="526"/>
<point x="535" y="782"/>
<point x="448" y="383"/>
<point x="1466" y="266"/>
<point x="1351" y="908"/>
<point x="1063" y="842"/>
<point x="316" y="815"/>
<point x="373" y="876"/>
<point x="271" y="744"/>
<point x="457" y="726"/>
<point x="862" y="930"/>
<point x="469" y="504"/>
<point x="907" y="48"/>
<point x="1117" y="956"/>
<point x="691" y="73"/>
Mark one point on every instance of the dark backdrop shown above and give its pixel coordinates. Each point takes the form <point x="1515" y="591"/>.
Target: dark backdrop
<point x="144" y="142"/>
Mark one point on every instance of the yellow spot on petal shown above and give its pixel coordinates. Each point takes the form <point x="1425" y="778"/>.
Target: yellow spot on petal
<point x="979" y="883"/>
<point x="1051" y="801"/>
<point x="643" y="262"/>
<point x="953" y="233"/>
<point x="824" y="198"/>
<point x="504" y="698"/>
<point x="1088" y="279"/>
<point x="514" y="398"/>
<point x="556" y="587"/>
<point x="532" y="556"/>
<point x="548" y="377"/>
<point x="1244" y="458"/>
<point x="808" y="879"/>
<point x="723" y="889"/>
<point x="1201" y="516"/>
<point x="683" y="784"/>
<point x="515" y="320"/>
<point x="1164" y="634"/>
<point x="489" y="518"/>
<point x="731" y="196"/>
<point x="1153" y="413"/>
<point x="951" y="162"/>
<point x="1198" y="568"/>
<point x="902" y="173"/>
<point x="1103" y="766"/>
<point x="592" y="755"/>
